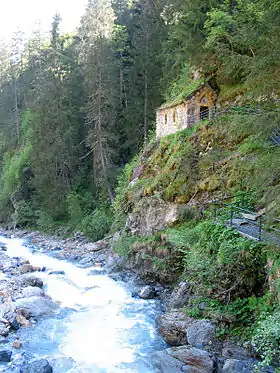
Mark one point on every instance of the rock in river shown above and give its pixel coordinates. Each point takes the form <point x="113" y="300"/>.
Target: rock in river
<point x="32" y="291"/>
<point x="147" y="292"/>
<point x="5" y="356"/>
<point x="31" y="281"/>
<point x="37" y="306"/>
<point x="38" y="366"/>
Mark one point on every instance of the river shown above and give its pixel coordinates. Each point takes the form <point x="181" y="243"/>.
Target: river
<point x="100" y="327"/>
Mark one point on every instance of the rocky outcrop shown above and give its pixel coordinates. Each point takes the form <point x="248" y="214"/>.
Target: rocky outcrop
<point x="173" y="327"/>
<point x="152" y="215"/>
<point x="183" y="359"/>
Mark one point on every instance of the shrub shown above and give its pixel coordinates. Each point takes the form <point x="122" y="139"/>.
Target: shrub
<point x="266" y="338"/>
<point x="23" y="214"/>
<point x="219" y="260"/>
<point x="96" y="226"/>
<point x="124" y="244"/>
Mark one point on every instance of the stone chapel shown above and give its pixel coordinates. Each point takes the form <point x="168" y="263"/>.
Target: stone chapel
<point x="185" y="111"/>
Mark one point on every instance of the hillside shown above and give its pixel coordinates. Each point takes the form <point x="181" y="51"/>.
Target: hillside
<point x="166" y="197"/>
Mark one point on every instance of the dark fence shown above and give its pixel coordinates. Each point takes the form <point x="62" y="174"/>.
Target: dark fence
<point x="245" y="221"/>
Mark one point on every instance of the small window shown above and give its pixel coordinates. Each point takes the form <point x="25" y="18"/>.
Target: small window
<point x="174" y="115"/>
<point x="165" y="118"/>
<point x="204" y="101"/>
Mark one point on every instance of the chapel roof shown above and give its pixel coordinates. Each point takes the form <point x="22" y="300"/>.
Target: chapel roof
<point x="186" y="93"/>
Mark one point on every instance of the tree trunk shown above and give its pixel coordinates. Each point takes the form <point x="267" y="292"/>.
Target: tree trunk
<point x="146" y="88"/>
<point x="17" y="121"/>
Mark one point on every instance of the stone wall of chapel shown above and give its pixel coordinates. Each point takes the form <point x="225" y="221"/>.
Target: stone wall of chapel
<point x="173" y="119"/>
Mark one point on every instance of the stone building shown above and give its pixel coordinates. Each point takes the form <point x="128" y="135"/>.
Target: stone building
<point x="198" y="102"/>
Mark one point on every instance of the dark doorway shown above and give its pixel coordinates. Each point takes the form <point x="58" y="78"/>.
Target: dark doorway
<point x="204" y="112"/>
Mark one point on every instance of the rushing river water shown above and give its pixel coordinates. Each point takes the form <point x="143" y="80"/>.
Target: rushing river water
<point x="100" y="327"/>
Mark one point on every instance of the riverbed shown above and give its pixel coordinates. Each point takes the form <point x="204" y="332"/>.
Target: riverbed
<point x="99" y="327"/>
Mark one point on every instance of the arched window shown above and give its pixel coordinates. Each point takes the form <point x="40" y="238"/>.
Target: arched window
<point x="174" y="115"/>
<point x="165" y="118"/>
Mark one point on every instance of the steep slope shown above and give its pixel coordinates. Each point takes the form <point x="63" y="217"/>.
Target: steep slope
<point x="166" y="196"/>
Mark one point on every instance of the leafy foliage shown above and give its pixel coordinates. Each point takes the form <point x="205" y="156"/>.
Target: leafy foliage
<point x="266" y="337"/>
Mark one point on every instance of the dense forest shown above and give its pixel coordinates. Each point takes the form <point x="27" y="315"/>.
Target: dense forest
<point x="75" y="108"/>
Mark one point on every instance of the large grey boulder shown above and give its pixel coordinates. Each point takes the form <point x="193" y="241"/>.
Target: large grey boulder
<point x="172" y="326"/>
<point x="147" y="292"/>
<point x="200" y="333"/>
<point x="32" y="291"/>
<point x="183" y="359"/>
<point x="37" y="306"/>
<point x="38" y="366"/>
<point x="152" y="215"/>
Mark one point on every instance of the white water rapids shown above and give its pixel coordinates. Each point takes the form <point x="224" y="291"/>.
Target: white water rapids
<point x="100" y="327"/>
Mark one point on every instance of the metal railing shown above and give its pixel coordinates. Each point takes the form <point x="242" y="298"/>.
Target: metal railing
<point x="275" y="137"/>
<point x="214" y="112"/>
<point x="232" y="215"/>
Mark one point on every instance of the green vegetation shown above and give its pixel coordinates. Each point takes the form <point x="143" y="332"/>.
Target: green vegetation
<point x="228" y="273"/>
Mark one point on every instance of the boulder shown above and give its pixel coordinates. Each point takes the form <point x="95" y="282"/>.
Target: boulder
<point x="23" y="321"/>
<point x="31" y="291"/>
<point x="26" y="268"/>
<point x="232" y="351"/>
<point x="4" y="330"/>
<point x="244" y="366"/>
<point x="38" y="366"/>
<point x="32" y="281"/>
<point x="165" y="363"/>
<point x="16" y="344"/>
<point x="11" y="317"/>
<point x="179" y="296"/>
<point x="200" y="333"/>
<point x="153" y="214"/>
<point x="147" y="292"/>
<point x="86" y="260"/>
<point x="5" y="356"/>
<point x="57" y="272"/>
<point x="37" y="306"/>
<point x="183" y="359"/>
<point x="114" y="262"/>
<point x="172" y="326"/>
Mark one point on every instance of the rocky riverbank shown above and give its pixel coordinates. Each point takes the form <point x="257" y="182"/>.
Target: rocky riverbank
<point x="22" y="302"/>
<point x="194" y="347"/>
